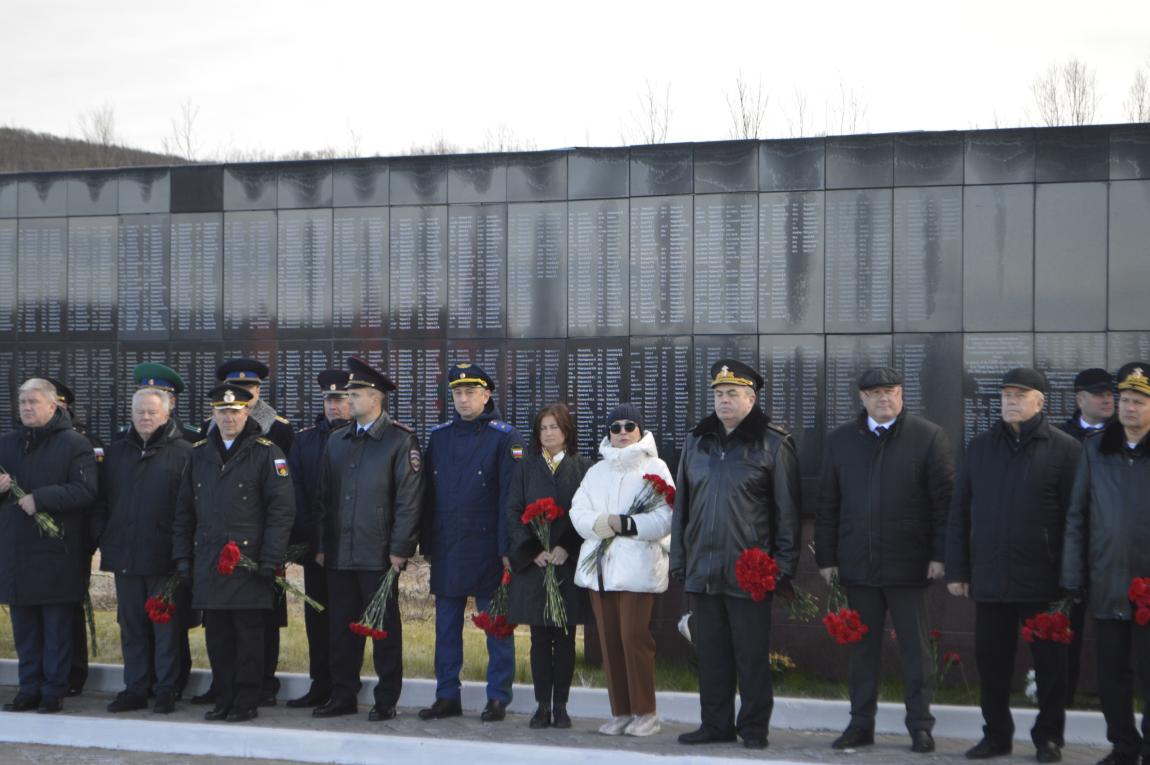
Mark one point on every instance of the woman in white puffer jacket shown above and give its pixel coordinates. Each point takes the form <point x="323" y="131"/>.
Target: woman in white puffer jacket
<point x="623" y="587"/>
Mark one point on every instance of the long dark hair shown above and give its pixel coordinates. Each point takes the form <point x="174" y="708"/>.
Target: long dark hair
<point x="566" y="423"/>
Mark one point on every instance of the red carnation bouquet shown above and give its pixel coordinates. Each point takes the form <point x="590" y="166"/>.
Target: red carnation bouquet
<point x="493" y="621"/>
<point x="656" y="492"/>
<point x="232" y="558"/>
<point x="162" y="607"/>
<point x="44" y="522"/>
<point x="1139" y="594"/>
<point x="1052" y="625"/>
<point x="372" y="621"/>
<point x="755" y="571"/>
<point x="843" y="624"/>
<point x="539" y="515"/>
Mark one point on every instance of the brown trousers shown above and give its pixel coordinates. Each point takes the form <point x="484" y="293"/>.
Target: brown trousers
<point x="624" y="623"/>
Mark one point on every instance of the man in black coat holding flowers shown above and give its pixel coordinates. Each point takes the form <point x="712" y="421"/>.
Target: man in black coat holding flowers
<point x="880" y="530"/>
<point x="370" y="499"/>
<point x="738" y="489"/>
<point x="1107" y="544"/>
<point x="1004" y="551"/>
<point x="237" y="499"/>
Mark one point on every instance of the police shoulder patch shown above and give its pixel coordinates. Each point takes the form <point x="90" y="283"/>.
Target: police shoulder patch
<point x="281" y="468"/>
<point x="415" y="459"/>
<point x="99" y="452"/>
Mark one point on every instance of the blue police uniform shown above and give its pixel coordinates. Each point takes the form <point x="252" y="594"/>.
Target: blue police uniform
<point x="465" y="533"/>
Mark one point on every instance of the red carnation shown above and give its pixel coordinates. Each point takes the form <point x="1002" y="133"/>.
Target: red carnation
<point x="506" y="580"/>
<point x="951" y="657"/>
<point x="936" y="634"/>
<point x="755" y="572"/>
<point x="229" y="557"/>
<point x="1142" y="616"/>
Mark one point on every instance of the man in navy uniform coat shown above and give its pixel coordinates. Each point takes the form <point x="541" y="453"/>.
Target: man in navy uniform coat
<point x="305" y="461"/>
<point x="464" y="535"/>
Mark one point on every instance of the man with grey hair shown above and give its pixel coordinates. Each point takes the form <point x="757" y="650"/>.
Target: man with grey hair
<point x="142" y="471"/>
<point x="47" y="484"/>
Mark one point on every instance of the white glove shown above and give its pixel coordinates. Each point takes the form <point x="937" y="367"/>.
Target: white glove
<point x="602" y="527"/>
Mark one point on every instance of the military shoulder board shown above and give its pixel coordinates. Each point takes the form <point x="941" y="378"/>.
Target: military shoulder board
<point x="778" y="429"/>
<point x="441" y="426"/>
<point x="199" y="443"/>
<point x="263" y="441"/>
<point x="402" y="426"/>
<point x="500" y="425"/>
<point x="282" y="419"/>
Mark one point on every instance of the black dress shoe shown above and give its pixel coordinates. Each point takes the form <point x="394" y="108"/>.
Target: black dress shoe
<point x="559" y="716"/>
<point x="853" y="738"/>
<point x="704" y="735"/>
<point x="541" y="719"/>
<point x="243" y="714"/>
<point x="1048" y="751"/>
<point x="207" y="697"/>
<point x="494" y="711"/>
<point x="377" y="715"/>
<point x="50" y="705"/>
<point x="755" y="742"/>
<point x="986" y="749"/>
<point x="267" y="699"/>
<point x="312" y="698"/>
<point x="1118" y="758"/>
<point x="22" y="703"/>
<point x="921" y="742"/>
<point x="74" y="690"/>
<point x="440" y="709"/>
<point x="333" y="708"/>
<point x="165" y="703"/>
<point x="216" y="713"/>
<point x="127" y="702"/>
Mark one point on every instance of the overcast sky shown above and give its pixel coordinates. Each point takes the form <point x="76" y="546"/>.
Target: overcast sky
<point x="284" y="76"/>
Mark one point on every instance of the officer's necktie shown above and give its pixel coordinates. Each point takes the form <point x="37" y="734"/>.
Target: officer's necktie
<point x="879" y="431"/>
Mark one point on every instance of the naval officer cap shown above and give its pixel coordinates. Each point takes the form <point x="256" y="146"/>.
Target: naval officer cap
<point x="159" y="376"/>
<point x="64" y="394"/>
<point x="333" y="383"/>
<point x="466" y="373"/>
<point x="363" y="375"/>
<point x="242" y="371"/>
<point x="879" y="377"/>
<point x="735" y="372"/>
<point x="1136" y="378"/>
<point x="230" y="396"/>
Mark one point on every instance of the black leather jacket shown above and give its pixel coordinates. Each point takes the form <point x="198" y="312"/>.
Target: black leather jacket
<point x="1107" y="533"/>
<point x="370" y="496"/>
<point x="734" y="492"/>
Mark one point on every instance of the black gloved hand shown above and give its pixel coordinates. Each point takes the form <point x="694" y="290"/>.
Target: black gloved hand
<point x="184" y="569"/>
<point x="1074" y="594"/>
<point x="679" y="575"/>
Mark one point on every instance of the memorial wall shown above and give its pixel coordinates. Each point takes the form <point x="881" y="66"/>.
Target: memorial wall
<point x="597" y="275"/>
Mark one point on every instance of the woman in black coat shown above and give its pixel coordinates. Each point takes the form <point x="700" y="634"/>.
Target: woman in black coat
<point x="553" y="468"/>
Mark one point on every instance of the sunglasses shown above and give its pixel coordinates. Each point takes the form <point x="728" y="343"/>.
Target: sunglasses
<point x="619" y="427"/>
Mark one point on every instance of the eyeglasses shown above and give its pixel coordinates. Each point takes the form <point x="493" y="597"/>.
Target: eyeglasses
<point x="619" y="427"/>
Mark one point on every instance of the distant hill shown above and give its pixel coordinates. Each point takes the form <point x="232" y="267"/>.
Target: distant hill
<point x="26" y="151"/>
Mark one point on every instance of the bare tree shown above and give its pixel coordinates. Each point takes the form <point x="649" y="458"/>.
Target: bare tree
<point x="1138" y="98"/>
<point x="437" y="145"/>
<point x="1066" y="94"/>
<point x="651" y="119"/>
<point x="798" y="116"/>
<point x="848" y="115"/>
<point x="182" y="142"/>
<point x="747" y="107"/>
<point x="354" y="142"/>
<point x="98" y="125"/>
<point x="503" y="138"/>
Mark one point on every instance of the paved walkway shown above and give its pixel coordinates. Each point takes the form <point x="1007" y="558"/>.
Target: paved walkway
<point x="410" y="740"/>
